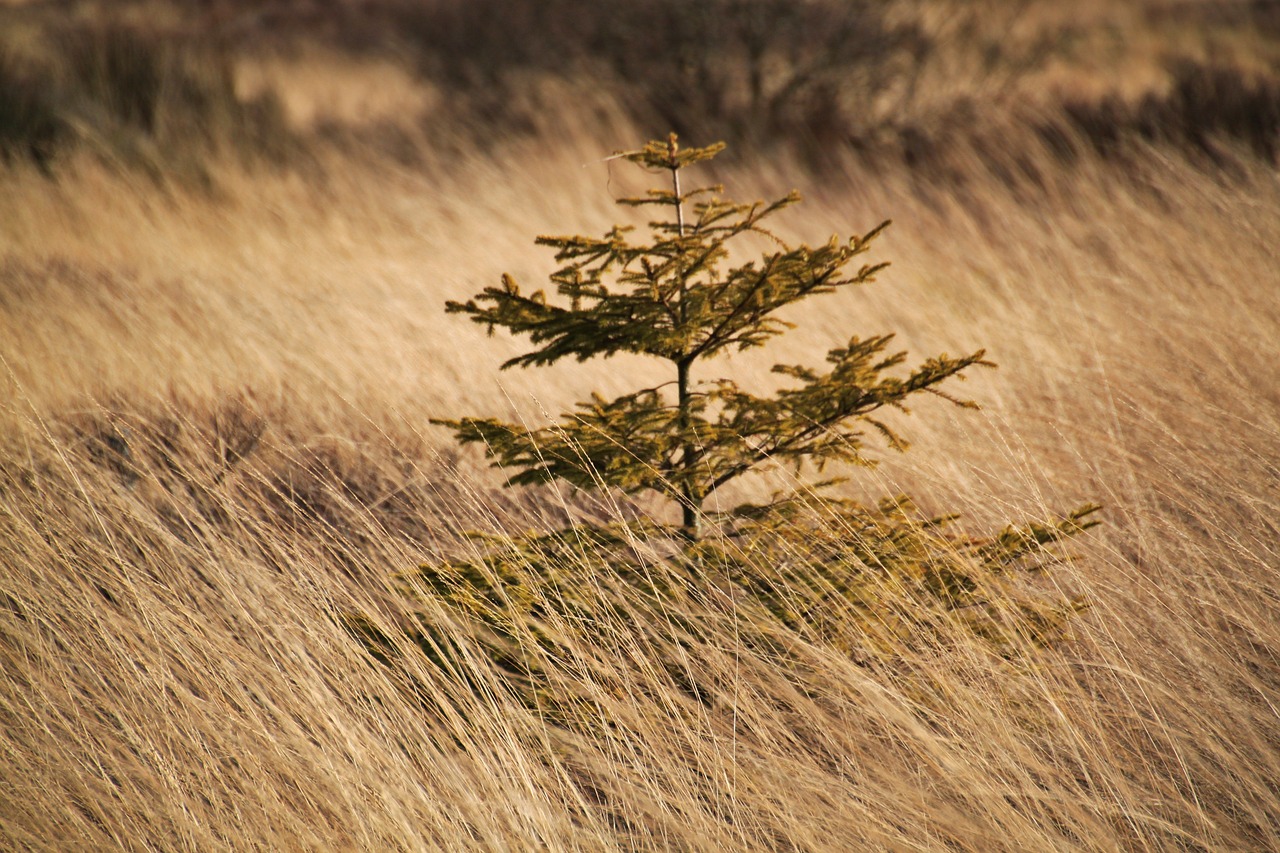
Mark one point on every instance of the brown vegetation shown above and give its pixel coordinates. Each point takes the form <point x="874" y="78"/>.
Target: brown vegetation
<point x="214" y="448"/>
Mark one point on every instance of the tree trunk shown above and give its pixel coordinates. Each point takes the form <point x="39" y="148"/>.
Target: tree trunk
<point x="690" y="502"/>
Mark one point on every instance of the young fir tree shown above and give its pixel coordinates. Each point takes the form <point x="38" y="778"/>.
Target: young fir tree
<point x="872" y="582"/>
<point x="675" y="296"/>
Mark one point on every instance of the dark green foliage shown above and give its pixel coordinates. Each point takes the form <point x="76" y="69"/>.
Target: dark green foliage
<point x="875" y="583"/>
<point x="675" y="297"/>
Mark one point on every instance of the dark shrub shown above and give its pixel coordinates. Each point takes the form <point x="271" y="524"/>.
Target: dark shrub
<point x="1205" y="106"/>
<point x="30" y="126"/>
<point x="748" y="68"/>
<point x="143" y="97"/>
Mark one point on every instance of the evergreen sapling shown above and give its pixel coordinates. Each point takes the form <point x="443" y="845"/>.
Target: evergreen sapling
<point x="873" y="582"/>
<point x="674" y="297"/>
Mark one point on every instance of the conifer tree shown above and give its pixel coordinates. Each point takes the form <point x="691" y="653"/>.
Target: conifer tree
<point x="675" y="296"/>
<point x="873" y="582"/>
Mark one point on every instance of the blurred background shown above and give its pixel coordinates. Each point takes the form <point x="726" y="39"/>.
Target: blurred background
<point x="923" y="82"/>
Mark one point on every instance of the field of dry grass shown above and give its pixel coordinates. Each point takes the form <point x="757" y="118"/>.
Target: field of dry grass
<point x="215" y="387"/>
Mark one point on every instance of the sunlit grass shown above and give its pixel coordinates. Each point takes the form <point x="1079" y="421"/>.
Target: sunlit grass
<point x="214" y="449"/>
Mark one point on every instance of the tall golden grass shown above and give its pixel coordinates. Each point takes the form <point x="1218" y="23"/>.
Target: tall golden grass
<point x="214" y="447"/>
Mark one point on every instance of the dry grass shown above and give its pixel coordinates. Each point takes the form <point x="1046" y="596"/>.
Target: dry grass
<point x="214" y="445"/>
